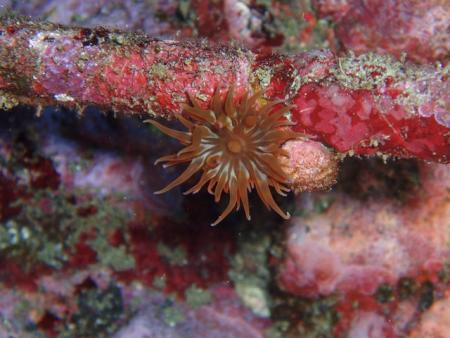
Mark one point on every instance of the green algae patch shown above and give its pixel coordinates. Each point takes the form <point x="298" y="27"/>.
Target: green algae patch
<point x="196" y="297"/>
<point x="367" y="71"/>
<point x="115" y="257"/>
<point x="7" y="101"/>
<point x="49" y="225"/>
<point x="172" y="315"/>
<point x="175" y="256"/>
<point x="250" y="273"/>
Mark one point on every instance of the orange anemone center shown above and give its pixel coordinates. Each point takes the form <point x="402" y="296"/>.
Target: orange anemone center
<point x="234" y="146"/>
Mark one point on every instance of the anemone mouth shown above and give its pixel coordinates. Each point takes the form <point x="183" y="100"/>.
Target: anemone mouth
<point x="236" y="147"/>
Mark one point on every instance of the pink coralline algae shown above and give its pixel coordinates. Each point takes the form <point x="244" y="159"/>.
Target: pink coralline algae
<point x="418" y="29"/>
<point x="366" y="249"/>
<point x="322" y="259"/>
<point x="311" y="166"/>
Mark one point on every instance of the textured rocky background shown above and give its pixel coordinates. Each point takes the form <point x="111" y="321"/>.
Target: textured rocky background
<point x="87" y="250"/>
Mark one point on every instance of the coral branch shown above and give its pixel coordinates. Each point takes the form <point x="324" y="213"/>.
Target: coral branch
<point x="362" y="105"/>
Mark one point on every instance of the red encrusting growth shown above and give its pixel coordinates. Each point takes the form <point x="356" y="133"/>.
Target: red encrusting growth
<point x="358" y="105"/>
<point x="353" y="121"/>
<point x="204" y="262"/>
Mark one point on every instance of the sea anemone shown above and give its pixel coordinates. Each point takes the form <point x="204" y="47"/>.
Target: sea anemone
<point x="237" y="145"/>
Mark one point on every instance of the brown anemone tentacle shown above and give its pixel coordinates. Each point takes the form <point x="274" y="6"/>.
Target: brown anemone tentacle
<point x="181" y="136"/>
<point x="264" y="191"/>
<point x="231" y="204"/>
<point x="193" y="167"/>
<point x="230" y="109"/>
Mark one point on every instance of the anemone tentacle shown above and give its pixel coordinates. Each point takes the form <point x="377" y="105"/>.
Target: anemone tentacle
<point x="236" y="145"/>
